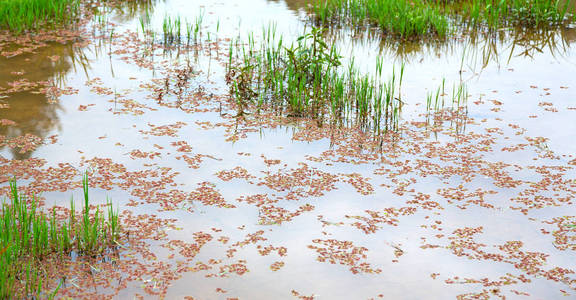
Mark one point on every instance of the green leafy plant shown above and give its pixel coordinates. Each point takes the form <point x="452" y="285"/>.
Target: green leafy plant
<point x="20" y="15"/>
<point x="29" y="238"/>
<point x="307" y="79"/>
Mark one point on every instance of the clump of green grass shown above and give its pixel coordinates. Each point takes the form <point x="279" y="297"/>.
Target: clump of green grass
<point x="176" y="31"/>
<point x="20" y="15"/>
<point x="29" y="238"/>
<point x="306" y="79"/>
<point x="395" y="17"/>
<point x="172" y="30"/>
<point x="440" y="99"/>
<point x="498" y="14"/>
<point x="423" y="18"/>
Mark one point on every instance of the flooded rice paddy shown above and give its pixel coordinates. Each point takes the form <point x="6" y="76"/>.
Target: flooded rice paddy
<point x="220" y="200"/>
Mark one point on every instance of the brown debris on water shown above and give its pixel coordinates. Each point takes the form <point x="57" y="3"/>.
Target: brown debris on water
<point x="343" y="253"/>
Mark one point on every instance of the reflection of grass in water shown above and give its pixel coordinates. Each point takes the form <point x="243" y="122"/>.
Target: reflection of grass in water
<point x="20" y="15"/>
<point x="122" y="11"/>
<point x="476" y="52"/>
<point x="29" y="239"/>
<point x="439" y="99"/>
<point x="306" y="79"/>
<point x="502" y="48"/>
<point x="36" y="113"/>
<point x="176" y="31"/>
<point x="129" y="10"/>
<point x="438" y="18"/>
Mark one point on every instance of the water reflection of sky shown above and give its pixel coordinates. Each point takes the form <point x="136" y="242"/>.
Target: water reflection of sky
<point x="512" y="68"/>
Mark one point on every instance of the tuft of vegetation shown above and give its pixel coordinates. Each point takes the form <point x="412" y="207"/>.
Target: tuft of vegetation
<point x="176" y="31"/>
<point x="21" y="15"/>
<point x="423" y="18"/>
<point x="499" y="14"/>
<point x="394" y="17"/>
<point x="307" y="79"/>
<point x="30" y="239"/>
<point x="437" y="101"/>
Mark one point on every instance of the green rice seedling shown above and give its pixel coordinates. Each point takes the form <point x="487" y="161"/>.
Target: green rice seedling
<point x="112" y="221"/>
<point x="396" y="17"/>
<point x="20" y="15"/>
<point x="144" y="24"/>
<point x="189" y="29"/>
<point x="458" y="97"/>
<point x="197" y="26"/>
<point x="379" y="66"/>
<point x="503" y="13"/>
<point x="23" y="240"/>
<point x="306" y="79"/>
<point x="95" y="233"/>
<point x="437" y="19"/>
<point x="175" y="30"/>
<point x="171" y="29"/>
<point x="52" y="295"/>
<point x="28" y="237"/>
<point x="432" y="100"/>
<point x="402" y="67"/>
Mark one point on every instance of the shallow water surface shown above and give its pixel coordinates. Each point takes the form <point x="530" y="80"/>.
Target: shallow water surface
<point x="471" y="201"/>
